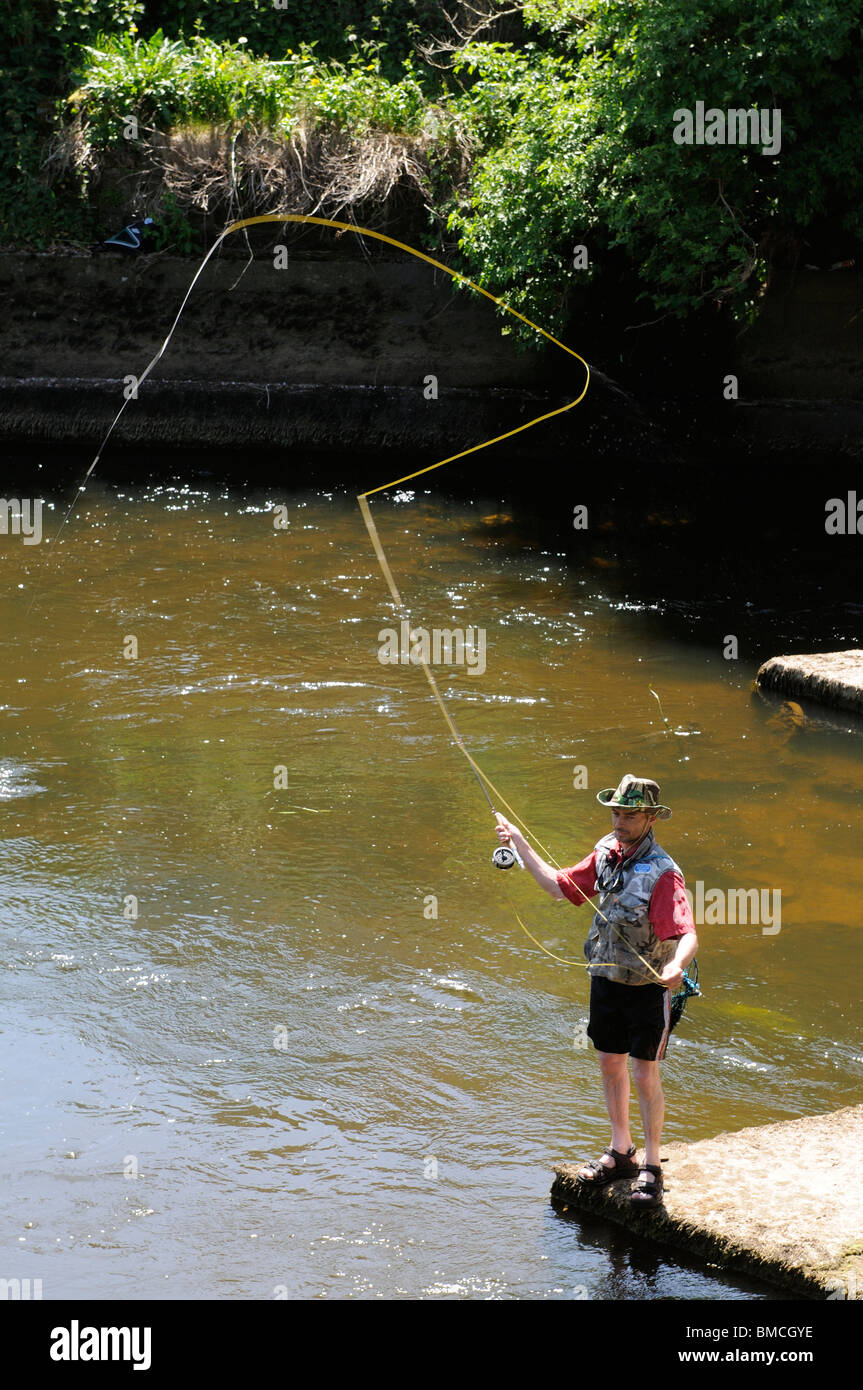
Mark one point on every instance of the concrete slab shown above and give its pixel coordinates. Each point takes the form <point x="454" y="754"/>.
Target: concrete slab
<point x="831" y="678"/>
<point x="783" y="1202"/>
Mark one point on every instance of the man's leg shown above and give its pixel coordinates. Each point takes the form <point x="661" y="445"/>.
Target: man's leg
<point x="615" y="1084"/>
<point x="651" y="1103"/>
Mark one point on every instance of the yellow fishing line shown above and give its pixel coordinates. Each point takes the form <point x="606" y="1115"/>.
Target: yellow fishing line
<point x="282" y="219"/>
<point x="386" y="570"/>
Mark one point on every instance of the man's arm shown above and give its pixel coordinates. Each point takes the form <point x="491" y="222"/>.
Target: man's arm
<point x="671" y="918"/>
<point x="687" y="949"/>
<point x="544" y="874"/>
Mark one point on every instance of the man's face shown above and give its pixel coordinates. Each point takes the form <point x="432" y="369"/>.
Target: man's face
<point x="629" y="826"/>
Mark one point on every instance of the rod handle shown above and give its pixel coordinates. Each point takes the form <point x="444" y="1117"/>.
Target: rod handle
<point x="499" y="817"/>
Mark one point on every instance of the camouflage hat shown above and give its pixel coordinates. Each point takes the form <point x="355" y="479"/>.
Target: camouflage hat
<point x="635" y="794"/>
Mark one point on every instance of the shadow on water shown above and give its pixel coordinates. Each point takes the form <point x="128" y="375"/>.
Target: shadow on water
<point x="707" y="544"/>
<point x="637" y="1268"/>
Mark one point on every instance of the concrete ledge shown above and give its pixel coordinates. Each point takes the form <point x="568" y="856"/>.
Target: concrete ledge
<point x="832" y="678"/>
<point x="222" y="414"/>
<point x="783" y="1202"/>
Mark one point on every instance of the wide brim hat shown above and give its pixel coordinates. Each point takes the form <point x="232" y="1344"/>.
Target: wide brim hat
<point x="635" y="794"/>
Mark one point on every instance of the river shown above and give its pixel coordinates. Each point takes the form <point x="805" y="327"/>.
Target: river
<point x="270" y="1025"/>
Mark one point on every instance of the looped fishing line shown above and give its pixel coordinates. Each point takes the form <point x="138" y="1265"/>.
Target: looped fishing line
<point x="282" y="219"/>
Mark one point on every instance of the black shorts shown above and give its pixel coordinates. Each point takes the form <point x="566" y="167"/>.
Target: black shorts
<point x="629" y="1018"/>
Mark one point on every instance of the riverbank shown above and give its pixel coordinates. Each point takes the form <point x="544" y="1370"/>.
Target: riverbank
<point x="381" y="354"/>
<point x="780" y="1201"/>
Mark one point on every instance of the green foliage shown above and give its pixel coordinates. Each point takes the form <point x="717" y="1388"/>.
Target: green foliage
<point x="577" y="145"/>
<point x="172" y="230"/>
<point x="570" y="131"/>
<point x="37" y="39"/>
<point x="169" y="83"/>
<point x="327" y="24"/>
<point x="43" y="48"/>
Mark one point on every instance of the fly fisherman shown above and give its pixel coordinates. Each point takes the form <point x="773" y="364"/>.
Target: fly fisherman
<point x="641" y="939"/>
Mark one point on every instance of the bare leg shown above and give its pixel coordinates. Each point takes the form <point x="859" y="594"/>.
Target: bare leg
<point x="615" y="1084"/>
<point x="651" y="1103"/>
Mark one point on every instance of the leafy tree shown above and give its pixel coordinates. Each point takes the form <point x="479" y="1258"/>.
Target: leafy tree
<point x="576" y="139"/>
<point x="38" y="39"/>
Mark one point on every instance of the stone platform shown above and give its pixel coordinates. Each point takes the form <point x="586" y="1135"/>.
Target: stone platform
<point x="831" y="678"/>
<point x="783" y="1202"/>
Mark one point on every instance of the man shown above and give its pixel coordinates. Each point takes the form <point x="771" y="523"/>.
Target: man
<point x="641" y="939"/>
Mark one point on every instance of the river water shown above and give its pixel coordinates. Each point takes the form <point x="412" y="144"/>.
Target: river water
<point x="270" y="1026"/>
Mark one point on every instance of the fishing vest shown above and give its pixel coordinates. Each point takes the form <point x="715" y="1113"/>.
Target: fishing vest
<point x="626" y="905"/>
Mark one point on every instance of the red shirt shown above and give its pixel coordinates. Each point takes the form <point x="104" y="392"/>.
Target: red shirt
<point x="669" y="912"/>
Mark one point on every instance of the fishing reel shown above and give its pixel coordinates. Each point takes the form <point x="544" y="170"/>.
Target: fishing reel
<point x="505" y="855"/>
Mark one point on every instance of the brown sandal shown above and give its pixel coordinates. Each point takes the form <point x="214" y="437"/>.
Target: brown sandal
<point x="646" y="1193"/>
<point x="602" y="1174"/>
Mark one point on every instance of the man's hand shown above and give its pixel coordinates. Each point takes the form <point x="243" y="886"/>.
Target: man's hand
<point x="671" y="976"/>
<point x="505" y="831"/>
<point x="544" y="874"/>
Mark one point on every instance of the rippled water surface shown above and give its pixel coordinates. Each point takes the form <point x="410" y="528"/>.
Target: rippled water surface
<point x="242" y="1057"/>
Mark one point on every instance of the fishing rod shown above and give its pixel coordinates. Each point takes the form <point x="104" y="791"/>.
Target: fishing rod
<point x="506" y="854"/>
<point x="689" y="988"/>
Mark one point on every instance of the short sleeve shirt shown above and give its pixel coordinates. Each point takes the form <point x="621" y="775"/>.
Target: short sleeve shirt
<point x="669" y="912"/>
